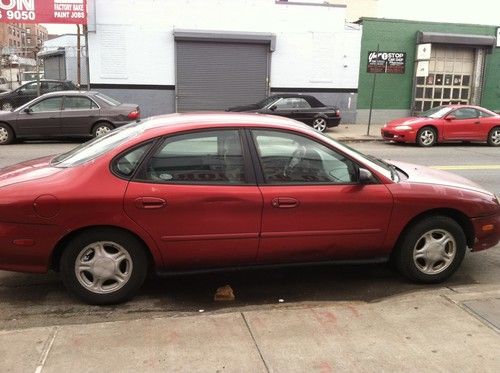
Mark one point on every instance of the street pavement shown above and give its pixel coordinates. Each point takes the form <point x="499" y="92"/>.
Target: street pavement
<point x="325" y="319"/>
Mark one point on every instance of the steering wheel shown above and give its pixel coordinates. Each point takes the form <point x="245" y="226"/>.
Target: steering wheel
<point x="297" y="156"/>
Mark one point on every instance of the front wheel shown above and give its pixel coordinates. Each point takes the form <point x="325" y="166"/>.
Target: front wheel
<point x="431" y="250"/>
<point x="494" y="137"/>
<point x="104" y="266"/>
<point x="426" y="137"/>
<point x="319" y="124"/>
<point x="6" y="106"/>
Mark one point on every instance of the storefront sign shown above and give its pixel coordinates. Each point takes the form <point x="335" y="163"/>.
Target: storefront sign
<point x="43" y="11"/>
<point x="386" y="62"/>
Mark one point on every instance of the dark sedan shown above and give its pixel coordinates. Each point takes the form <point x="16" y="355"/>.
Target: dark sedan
<point x="304" y="108"/>
<point x="65" y="114"/>
<point x="29" y="91"/>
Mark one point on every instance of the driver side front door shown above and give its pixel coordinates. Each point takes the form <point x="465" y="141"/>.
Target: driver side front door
<point x="42" y="119"/>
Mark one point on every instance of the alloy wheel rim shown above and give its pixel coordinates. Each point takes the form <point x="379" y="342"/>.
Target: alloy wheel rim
<point x="495" y="137"/>
<point x="427" y="137"/>
<point x="103" y="267"/>
<point x="319" y="124"/>
<point x="434" y="251"/>
<point x="102" y="130"/>
<point x="4" y="135"/>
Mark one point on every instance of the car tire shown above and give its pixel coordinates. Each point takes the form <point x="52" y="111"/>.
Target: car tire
<point x="7" y="135"/>
<point x="101" y="128"/>
<point x="426" y="137"/>
<point x="494" y="137"/>
<point x="319" y="124"/>
<point x="430" y="250"/>
<point x="6" y="106"/>
<point x="104" y="266"/>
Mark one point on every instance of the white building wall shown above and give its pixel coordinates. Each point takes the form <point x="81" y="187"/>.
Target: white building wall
<point x="133" y="40"/>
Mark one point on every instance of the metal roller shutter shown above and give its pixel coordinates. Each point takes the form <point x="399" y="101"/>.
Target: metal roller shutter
<point x="215" y="75"/>
<point x="54" y="67"/>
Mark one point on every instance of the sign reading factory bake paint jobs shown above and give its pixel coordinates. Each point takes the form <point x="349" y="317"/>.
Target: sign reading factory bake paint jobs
<point x="43" y="11"/>
<point x="386" y="62"/>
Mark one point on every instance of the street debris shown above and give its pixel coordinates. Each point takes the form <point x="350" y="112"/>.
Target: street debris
<point x="224" y="293"/>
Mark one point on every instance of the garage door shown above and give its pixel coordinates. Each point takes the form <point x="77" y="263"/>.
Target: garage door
<point x="217" y="75"/>
<point x="449" y="80"/>
<point x="54" y="67"/>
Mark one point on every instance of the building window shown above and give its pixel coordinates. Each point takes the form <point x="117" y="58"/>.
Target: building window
<point x="28" y="31"/>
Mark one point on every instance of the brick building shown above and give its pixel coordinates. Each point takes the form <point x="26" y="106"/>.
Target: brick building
<point x="22" y="39"/>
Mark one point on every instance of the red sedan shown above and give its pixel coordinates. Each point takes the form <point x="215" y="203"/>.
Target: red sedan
<point x="446" y="124"/>
<point x="202" y="191"/>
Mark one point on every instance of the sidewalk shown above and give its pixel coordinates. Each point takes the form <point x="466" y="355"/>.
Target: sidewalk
<point x="432" y="330"/>
<point x="355" y="132"/>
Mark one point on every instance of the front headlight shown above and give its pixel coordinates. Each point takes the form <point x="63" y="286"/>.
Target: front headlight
<point x="402" y="128"/>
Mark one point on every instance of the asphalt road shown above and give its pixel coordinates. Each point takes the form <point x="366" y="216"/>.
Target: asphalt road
<point x="41" y="300"/>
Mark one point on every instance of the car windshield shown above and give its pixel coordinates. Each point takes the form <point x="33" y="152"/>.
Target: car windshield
<point x="109" y="100"/>
<point x="98" y="146"/>
<point x="266" y="101"/>
<point x="436" y="112"/>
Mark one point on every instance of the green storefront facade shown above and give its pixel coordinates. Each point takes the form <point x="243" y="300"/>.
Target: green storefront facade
<point x="464" y="67"/>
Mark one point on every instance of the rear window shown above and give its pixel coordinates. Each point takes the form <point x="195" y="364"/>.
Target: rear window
<point x="109" y="100"/>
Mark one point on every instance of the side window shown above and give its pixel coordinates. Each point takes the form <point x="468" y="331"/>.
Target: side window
<point x="286" y="103"/>
<point x="465" y="113"/>
<point x="126" y="164"/>
<point x="55" y="86"/>
<point x="302" y="104"/>
<point x="287" y="158"/>
<point x="212" y="157"/>
<point x="28" y="88"/>
<point x="49" y="104"/>
<point x="484" y="114"/>
<point x="78" y="103"/>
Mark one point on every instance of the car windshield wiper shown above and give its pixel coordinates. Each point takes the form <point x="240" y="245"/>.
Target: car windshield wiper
<point x="390" y="167"/>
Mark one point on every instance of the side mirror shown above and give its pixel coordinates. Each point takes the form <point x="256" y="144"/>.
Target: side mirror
<point x="365" y="176"/>
<point x="27" y="110"/>
<point x="272" y="107"/>
<point x="451" y="117"/>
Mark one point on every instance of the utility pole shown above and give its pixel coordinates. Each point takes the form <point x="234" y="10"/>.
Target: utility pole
<point x="78" y="60"/>
<point x="373" y="94"/>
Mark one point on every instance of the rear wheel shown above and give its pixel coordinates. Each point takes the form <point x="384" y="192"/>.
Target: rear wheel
<point x="319" y="124"/>
<point x="494" y="137"/>
<point x="6" y="134"/>
<point x="101" y="128"/>
<point x="431" y="250"/>
<point x="426" y="136"/>
<point x="104" y="266"/>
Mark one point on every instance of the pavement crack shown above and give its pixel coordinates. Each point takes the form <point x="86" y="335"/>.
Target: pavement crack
<point x="254" y="341"/>
<point x="46" y="349"/>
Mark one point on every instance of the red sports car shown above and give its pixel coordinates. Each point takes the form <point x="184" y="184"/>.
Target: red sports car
<point x="201" y="191"/>
<point x="446" y="123"/>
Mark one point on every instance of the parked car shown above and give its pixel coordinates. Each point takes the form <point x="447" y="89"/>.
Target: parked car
<point x="65" y="114"/>
<point x="304" y="108"/>
<point x="27" y="92"/>
<point x="202" y="191"/>
<point x="446" y="124"/>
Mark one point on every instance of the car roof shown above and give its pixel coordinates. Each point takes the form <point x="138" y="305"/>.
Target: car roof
<point x="202" y="120"/>
<point x="69" y="93"/>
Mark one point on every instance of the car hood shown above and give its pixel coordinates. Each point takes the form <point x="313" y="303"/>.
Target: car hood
<point x="27" y="171"/>
<point x="409" y="121"/>
<point x="425" y="175"/>
<point x="252" y="107"/>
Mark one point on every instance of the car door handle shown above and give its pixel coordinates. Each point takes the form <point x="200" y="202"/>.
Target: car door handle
<point x="477" y="122"/>
<point x="284" y="202"/>
<point x="149" y="203"/>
